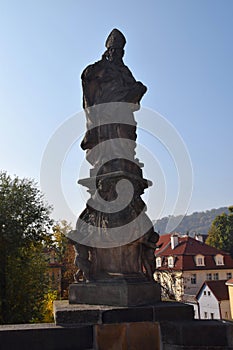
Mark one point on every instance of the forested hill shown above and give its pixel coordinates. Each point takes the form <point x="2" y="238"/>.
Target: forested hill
<point x="198" y="222"/>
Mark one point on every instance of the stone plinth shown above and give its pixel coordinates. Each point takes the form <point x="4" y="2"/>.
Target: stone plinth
<point x="122" y="293"/>
<point x="68" y="314"/>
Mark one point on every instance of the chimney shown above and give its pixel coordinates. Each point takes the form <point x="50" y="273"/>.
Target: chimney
<point x="199" y="237"/>
<point x="174" y="240"/>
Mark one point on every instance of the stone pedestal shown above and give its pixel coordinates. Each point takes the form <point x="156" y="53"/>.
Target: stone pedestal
<point x="118" y="293"/>
<point x="124" y="327"/>
<point x="70" y="314"/>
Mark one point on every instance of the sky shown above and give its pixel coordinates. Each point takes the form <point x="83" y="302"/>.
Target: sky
<point x="180" y="49"/>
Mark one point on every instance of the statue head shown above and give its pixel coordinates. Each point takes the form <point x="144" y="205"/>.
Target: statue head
<point x="115" y="40"/>
<point x="115" y="47"/>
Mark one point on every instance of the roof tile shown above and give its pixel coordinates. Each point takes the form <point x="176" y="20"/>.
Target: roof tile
<point x="218" y="288"/>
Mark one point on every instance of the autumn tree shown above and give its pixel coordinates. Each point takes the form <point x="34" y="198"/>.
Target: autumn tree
<point x="25" y="227"/>
<point x="66" y="255"/>
<point x="221" y="232"/>
<point x="171" y="283"/>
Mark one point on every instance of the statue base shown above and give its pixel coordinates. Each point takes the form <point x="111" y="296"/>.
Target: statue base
<point x="82" y="314"/>
<point x="117" y="293"/>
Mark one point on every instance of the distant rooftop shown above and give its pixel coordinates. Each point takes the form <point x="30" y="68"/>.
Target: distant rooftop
<point x="184" y="251"/>
<point x="218" y="288"/>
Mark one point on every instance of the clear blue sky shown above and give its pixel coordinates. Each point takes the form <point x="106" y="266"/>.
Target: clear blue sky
<point x="180" y="49"/>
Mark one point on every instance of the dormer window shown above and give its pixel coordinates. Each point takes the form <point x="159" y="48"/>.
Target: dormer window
<point x="170" y="261"/>
<point x="200" y="260"/>
<point x="219" y="259"/>
<point x="158" y="262"/>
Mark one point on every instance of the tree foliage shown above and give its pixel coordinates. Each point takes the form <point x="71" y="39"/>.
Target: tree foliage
<point x="66" y="255"/>
<point x="221" y="232"/>
<point x="24" y="232"/>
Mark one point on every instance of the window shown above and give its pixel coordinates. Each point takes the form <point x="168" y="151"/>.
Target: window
<point x="216" y="276"/>
<point x="170" y="261"/>
<point x="212" y="315"/>
<point x="209" y="293"/>
<point x="193" y="278"/>
<point x="200" y="260"/>
<point x="204" y="292"/>
<point x="229" y="275"/>
<point x="209" y="276"/>
<point x="205" y="315"/>
<point x="219" y="259"/>
<point x="158" y="262"/>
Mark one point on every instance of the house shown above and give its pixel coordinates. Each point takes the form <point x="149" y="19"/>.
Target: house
<point x="213" y="300"/>
<point x="229" y="284"/>
<point x="184" y="263"/>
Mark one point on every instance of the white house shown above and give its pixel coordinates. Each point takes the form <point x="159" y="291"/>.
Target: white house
<point x="213" y="300"/>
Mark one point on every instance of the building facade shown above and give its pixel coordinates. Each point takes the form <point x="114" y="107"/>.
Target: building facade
<point x="229" y="284"/>
<point x="184" y="263"/>
<point x="213" y="301"/>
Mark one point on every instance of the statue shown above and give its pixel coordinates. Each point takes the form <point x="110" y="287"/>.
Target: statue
<point x="108" y="81"/>
<point x="148" y="242"/>
<point x="113" y="247"/>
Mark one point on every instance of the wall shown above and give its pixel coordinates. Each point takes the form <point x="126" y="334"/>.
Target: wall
<point x="230" y="290"/>
<point x="195" y="309"/>
<point x="179" y="282"/>
<point x="192" y="289"/>
<point x="225" y="309"/>
<point x="173" y="335"/>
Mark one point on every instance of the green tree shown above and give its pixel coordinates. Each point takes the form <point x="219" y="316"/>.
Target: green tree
<point x="220" y="234"/>
<point x="25" y="229"/>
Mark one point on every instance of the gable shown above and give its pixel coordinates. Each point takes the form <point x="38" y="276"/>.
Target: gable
<point x="216" y="288"/>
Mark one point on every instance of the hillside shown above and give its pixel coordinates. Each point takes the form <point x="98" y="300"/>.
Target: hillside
<point x="198" y="222"/>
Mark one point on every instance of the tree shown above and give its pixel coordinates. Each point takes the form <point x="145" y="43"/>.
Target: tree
<point x="25" y="229"/>
<point x="221" y="232"/>
<point x="66" y="255"/>
<point x="171" y="284"/>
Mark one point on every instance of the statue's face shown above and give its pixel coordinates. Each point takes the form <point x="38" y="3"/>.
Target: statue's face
<point x="115" y="55"/>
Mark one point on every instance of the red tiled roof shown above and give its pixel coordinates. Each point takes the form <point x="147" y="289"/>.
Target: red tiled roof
<point x="185" y="252"/>
<point x="218" y="288"/>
